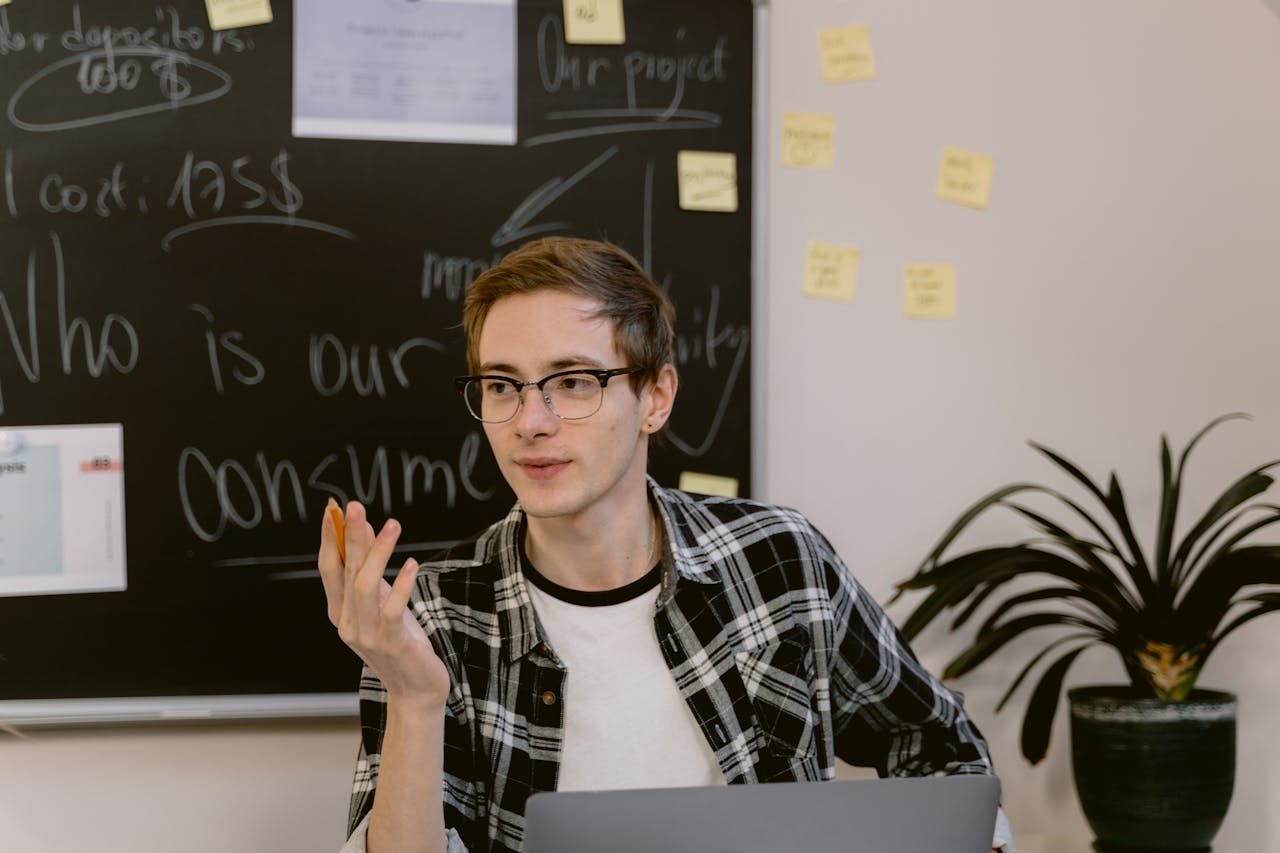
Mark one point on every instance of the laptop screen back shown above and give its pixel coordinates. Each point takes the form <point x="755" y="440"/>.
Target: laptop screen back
<point x="955" y="814"/>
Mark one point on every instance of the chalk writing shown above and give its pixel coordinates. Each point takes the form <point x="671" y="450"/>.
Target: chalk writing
<point x="676" y="71"/>
<point x="246" y="368"/>
<point x="10" y="197"/>
<point x="168" y="31"/>
<point x="556" y="67"/>
<point x="113" y="78"/>
<point x="349" y="362"/>
<point x="702" y="345"/>
<point x="205" y="182"/>
<point x="451" y="276"/>
<point x="115" y="345"/>
<point x="214" y="495"/>
<point x="517" y="226"/>
<point x="651" y="119"/>
<point x="202" y="189"/>
<point x="670" y="75"/>
<point x="59" y="195"/>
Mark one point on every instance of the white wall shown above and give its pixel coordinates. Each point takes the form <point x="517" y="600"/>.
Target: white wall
<point x="1122" y="282"/>
<point x="245" y="788"/>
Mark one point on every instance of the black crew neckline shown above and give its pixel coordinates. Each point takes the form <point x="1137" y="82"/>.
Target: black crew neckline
<point x="589" y="598"/>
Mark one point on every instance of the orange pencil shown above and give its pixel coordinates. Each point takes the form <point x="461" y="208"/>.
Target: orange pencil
<point x="339" y="530"/>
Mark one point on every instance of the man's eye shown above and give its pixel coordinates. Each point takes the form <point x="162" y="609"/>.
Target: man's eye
<point x="582" y="385"/>
<point x="498" y="388"/>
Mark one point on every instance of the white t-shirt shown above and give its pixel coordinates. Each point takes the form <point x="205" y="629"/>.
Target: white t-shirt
<point x="625" y="723"/>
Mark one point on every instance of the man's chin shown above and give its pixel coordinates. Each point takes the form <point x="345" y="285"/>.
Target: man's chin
<point x="543" y="500"/>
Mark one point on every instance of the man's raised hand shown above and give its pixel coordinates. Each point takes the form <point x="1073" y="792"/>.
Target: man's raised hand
<point x="372" y="616"/>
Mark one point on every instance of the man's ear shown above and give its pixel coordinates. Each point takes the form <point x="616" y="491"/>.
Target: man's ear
<point x="659" y="399"/>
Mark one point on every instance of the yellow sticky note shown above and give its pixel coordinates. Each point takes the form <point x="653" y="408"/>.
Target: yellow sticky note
<point x="708" y="484"/>
<point x="808" y="139"/>
<point x="929" y="290"/>
<point x="846" y="54"/>
<point x="226" y="14"/>
<point x="964" y="177"/>
<point x="593" y="22"/>
<point x="708" y="180"/>
<point x="830" y="272"/>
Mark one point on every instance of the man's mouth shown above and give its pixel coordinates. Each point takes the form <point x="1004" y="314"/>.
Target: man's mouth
<point x="541" y="468"/>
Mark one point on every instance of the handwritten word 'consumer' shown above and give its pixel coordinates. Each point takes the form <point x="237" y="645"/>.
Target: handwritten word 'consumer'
<point x="249" y="494"/>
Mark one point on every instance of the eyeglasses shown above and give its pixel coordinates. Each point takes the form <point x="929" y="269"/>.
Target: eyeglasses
<point x="571" y="395"/>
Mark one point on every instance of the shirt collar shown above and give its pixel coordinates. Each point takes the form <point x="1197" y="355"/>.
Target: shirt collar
<point x="683" y="559"/>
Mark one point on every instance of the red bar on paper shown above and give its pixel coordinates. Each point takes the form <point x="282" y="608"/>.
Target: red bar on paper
<point x="101" y="463"/>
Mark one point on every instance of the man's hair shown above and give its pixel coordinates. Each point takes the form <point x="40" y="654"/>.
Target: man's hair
<point x="643" y="318"/>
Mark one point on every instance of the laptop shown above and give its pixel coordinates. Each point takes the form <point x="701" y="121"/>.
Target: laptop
<point x="936" y="814"/>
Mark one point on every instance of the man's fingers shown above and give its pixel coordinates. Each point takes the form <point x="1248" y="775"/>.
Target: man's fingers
<point x="398" y="599"/>
<point x="359" y="538"/>
<point x="368" y="590"/>
<point x="381" y="547"/>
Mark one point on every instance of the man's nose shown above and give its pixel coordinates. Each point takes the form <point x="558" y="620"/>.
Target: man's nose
<point x="535" y="416"/>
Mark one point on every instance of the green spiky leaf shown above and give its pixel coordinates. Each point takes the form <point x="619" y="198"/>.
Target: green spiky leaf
<point x="1037" y="725"/>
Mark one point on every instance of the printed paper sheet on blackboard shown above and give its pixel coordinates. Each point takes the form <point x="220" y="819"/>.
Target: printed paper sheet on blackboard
<point x="61" y="509"/>
<point x="436" y="71"/>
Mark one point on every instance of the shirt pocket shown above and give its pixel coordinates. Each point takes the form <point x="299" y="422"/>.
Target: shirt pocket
<point x="779" y="678"/>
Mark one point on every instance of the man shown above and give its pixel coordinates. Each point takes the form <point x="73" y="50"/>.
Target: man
<point x="608" y="633"/>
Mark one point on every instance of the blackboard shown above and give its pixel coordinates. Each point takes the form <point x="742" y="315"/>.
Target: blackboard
<point x="274" y="319"/>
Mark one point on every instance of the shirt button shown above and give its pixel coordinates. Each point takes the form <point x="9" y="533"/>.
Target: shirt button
<point x="548" y="697"/>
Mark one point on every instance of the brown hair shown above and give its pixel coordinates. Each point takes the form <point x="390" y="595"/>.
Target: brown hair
<point x="643" y="318"/>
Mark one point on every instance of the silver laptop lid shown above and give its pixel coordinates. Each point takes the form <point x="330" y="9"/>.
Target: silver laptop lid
<point x="940" y="814"/>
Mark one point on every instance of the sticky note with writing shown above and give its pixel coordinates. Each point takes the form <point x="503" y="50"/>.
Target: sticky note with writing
<point x="929" y="290"/>
<point x="708" y="484"/>
<point x="708" y="180"/>
<point x="846" y="54"/>
<point x="593" y="22"/>
<point x="964" y="177"/>
<point x="830" y="272"/>
<point x="808" y="139"/>
<point x="226" y="14"/>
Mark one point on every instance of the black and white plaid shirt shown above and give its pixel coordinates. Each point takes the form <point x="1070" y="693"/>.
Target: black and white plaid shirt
<point x="782" y="657"/>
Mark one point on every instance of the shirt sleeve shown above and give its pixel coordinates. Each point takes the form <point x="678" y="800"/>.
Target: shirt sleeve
<point x="1003" y="838"/>
<point x="888" y="711"/>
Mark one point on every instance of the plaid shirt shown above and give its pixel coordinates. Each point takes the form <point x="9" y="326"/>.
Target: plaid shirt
<point x="783" y="658"/>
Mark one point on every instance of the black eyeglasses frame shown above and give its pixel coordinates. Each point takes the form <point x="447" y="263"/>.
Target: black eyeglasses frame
<point x="602" y="376"/>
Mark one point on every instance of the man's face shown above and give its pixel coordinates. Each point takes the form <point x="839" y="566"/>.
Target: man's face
<point x="556" y="467"/>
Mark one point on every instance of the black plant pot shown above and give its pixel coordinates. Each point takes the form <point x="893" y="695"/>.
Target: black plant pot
<point x="1153" y="775"/>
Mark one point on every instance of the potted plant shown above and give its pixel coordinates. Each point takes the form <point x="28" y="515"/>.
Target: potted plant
<point x="1154" y="760"/>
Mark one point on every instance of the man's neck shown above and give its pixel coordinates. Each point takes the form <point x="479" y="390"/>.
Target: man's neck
<point x="596" y="554"/>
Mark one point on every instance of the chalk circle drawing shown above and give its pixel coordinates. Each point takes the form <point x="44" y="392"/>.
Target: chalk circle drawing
<point x="117" y="84"/>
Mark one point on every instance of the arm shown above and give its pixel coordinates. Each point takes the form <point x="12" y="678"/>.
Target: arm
<point x="373" y="619"/>
<point x="888" y="711"/>
<point x="410" y="775"/>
